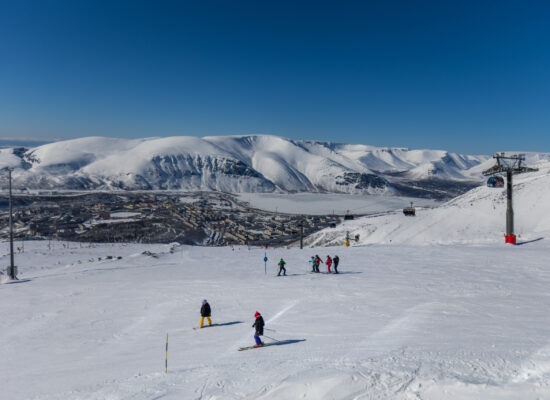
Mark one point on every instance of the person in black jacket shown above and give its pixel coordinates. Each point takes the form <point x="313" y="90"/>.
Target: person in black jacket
<point x="259" y="325"/>
<point x="336" y="260"/>
<point x="205" y="313"/>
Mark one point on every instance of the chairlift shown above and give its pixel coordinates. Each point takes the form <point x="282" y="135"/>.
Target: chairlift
<point x="495" y="182"/>
<point x="348" y="216"/>
<point x="409" y="211"/>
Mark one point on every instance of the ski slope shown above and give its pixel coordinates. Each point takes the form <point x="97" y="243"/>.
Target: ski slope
<point x="401" y="322"/>
<point x="478" y="216"/>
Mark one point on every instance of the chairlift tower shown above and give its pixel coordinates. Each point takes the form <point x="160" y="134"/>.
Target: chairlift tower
<point x="12" y="269"/>
<point x="509" y="165"/>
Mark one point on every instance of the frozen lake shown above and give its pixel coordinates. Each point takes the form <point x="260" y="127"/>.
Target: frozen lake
<point x="324" y="204"/>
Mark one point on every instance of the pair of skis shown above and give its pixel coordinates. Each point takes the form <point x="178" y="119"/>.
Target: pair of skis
<point x="240" y="348"/>
<point x="256" y="347"/>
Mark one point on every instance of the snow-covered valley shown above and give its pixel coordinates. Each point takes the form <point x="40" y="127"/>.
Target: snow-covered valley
<point x="462" y="321"/>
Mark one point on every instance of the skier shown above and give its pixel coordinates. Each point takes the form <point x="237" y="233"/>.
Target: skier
<point x="282" y="267"/>
<point x="336" y="260"/>
<point x="205" y="312"/>
<point x="312" y="261"/>
<point x="329" y="263"/>
<point x="317" y="262"/>
<point x="259" y="325"/>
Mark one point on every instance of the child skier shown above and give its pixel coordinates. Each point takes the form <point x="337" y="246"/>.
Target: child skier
<point x="312" y="261"/>
<point x="336" y="260"/>
<point x="259" y="325"/>
<point x="282" y="267"/>
<point x="205" y="313"/>
<point x="329" y="263"/>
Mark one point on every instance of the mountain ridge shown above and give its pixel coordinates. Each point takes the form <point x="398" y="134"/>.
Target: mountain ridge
<point x="235" y="164"/>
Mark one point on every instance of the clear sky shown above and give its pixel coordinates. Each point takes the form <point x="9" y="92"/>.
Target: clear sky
<point x="466" y="76"/>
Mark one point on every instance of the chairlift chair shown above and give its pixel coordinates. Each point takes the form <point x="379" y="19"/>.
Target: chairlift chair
<point x="409" y="211"/>
<point x="495" y="181"/>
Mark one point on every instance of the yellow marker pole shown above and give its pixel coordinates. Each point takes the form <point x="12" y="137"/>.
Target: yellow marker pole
<point x="166" y="360"/>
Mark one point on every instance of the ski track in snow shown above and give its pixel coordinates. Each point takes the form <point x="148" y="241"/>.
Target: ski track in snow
<point x="401" y="322"/>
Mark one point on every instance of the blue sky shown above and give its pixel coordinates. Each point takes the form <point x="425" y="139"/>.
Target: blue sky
<point x="471" y="77"/>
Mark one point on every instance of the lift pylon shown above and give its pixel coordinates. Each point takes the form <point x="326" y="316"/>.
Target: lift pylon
<point x="509" y="165"/>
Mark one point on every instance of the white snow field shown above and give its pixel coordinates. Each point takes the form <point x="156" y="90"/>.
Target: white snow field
<point x="427" y="322"/>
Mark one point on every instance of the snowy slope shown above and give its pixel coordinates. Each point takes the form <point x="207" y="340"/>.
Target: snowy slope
<point x="478" y="216"/>
<point x="259" y="163"/>
<point x="400" y="322"/>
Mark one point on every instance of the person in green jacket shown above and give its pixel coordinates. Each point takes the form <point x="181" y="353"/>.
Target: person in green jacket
<point x="282" y="267"/>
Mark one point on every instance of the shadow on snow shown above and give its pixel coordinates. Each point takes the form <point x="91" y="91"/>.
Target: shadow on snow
<point x="529" y="241"/>
<point x="225" y="323"/>
<point x="289" y="341"/>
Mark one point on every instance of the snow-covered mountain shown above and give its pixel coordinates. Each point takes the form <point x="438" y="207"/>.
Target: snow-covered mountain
<point x="477" y="216"/>
<point x="236" y="164"/>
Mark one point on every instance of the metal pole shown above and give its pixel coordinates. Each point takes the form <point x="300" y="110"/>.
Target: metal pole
<point x="301" y="234"/>
<point x="166" y="359"/>
<point x="12" y="268"/>
<point x="509" y="208"/>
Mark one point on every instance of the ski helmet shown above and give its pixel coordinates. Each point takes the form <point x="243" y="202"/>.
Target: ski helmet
<point x="257" y="314"/>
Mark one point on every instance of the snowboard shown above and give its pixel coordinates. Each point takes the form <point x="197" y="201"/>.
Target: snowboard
<point x="252" y="347"/>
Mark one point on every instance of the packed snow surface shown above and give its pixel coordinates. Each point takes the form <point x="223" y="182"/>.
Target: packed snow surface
<point x="437" y="322"/>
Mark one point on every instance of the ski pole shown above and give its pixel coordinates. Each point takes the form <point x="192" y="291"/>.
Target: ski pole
<point x="272" y="330"/>
<point x="166" y="360"/>
<point x="271" y="338"/>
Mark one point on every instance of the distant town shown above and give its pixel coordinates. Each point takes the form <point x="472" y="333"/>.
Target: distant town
<point x="205" y="218"/>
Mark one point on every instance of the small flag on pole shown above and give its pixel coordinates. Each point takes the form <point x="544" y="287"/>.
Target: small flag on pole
<point x="166" y="360"/>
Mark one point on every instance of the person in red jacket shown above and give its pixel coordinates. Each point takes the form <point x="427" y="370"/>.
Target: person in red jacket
<point x="329" y="263"/>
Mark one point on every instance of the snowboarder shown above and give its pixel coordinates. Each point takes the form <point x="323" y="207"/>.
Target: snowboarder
<point x="205" y="313"/>
<point x="329" y="263"/>
<point x="282" y="267"/>
<point x="259" y="325"/>
<point x="336" y="260"/>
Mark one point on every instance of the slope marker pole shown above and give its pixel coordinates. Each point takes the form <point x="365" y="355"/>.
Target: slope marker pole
<point x="166" y="359"/>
